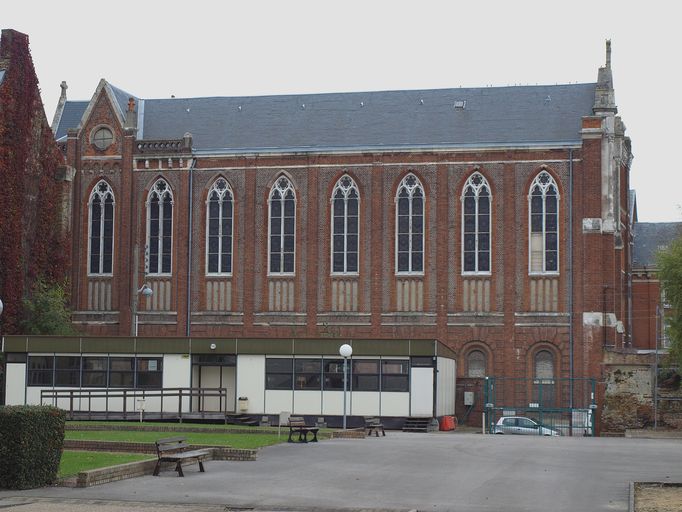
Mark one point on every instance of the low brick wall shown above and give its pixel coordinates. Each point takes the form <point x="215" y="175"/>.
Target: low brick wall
<point x="349" y="434"/>
<point x="146" y="467"/>
<point x="109" y="446"/>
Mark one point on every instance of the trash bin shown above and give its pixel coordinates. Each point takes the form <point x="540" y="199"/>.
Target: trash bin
<point x="447" y="423"/>
<point x="243" y="403"/>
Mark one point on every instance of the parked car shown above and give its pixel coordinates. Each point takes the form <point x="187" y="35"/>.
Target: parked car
<point x="523" y="426"/>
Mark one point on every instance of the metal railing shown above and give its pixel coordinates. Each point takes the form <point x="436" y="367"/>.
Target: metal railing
<point x="81" y="402"/>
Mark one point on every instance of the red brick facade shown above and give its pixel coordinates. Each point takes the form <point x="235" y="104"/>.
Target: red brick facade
<point x="509" y="314"/>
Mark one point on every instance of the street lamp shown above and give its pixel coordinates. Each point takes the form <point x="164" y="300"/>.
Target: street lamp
<point x="147" y="292"/>
<point x="345" y="351"/>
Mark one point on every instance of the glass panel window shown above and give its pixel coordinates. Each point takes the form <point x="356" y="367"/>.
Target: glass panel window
<point x="308" y="374"/>
<point x="345" y="226"/>
<point x="40" y="370"/>
<point x="159" y="228"/>
<point x="279" y="373"/>
<point x="67" y="371"/>
<point x="94" y="372"/>
<point x="282" y="225"/>
<point x="476" y="200"/>
<point x="101" y="227"/>
<point x="333" y="374"/>
<point x="543" y="225"/>
<point x="365" y="375"/>
<point x="149" y="372"/>
<point x="395" y="375"/>
<point x="122" y="372"/>
<point x="219" y="219"/>
<point x="409" y="236"/>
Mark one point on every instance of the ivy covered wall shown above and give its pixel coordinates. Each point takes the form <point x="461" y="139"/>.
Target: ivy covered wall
<point x="33" y="189"/>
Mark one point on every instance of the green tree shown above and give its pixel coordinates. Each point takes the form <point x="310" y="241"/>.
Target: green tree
<point x="46" y="310"/>
<point x="670" y="273"/>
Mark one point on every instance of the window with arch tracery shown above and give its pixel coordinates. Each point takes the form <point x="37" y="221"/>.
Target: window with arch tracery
<point x="409" y="239"/>
<point x="476" y="366"/>
<point x="159" y="228"/>
<point x="282" y="227"/>
<point x="219" y="228"/>
<point x="543" y="225"/>
<point x="345" y="227"/>
<point x="544" y="387"/>
<point x="476" y="201"/>
<point x="101" y="239"/>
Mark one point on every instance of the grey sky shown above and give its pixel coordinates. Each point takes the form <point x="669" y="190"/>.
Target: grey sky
<point x="154" y="49"/>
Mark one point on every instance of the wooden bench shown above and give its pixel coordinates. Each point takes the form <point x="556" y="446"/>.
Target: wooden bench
<point x="373" y="424"/>
<point x="297" y="424"/>
<point x="176" y="449"/>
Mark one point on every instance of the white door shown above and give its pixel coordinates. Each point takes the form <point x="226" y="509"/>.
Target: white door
<point x="421" y="392"/>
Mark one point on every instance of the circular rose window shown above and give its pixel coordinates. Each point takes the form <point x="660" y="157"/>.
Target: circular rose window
<point x="103" y="138"/>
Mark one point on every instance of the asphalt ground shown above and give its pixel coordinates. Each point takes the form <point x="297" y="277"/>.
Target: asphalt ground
<point x="402" y="471"/>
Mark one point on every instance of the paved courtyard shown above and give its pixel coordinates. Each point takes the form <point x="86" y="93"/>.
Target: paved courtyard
<point x="427" y="472"/>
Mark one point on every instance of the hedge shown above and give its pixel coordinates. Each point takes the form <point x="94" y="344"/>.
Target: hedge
<point x="31" y="441"/>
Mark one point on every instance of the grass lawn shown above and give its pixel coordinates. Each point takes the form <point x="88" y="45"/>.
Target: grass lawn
<point x="233" y="440"/>
<point x="74" y="462"/>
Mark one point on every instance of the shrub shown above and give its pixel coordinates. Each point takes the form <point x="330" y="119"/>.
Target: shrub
<point x="31" y="441"/>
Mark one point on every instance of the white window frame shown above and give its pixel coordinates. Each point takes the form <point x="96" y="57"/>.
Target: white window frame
<point x="102" y="195"/>
<point x="221" y="202"/>
<point x="346" y="191"/>
<point x="155" y="191"/>
<point x="410" y="190"/>
<point x="477" y="190"/>
<point x="282" y="190"/>
<point x="544" y="187"/>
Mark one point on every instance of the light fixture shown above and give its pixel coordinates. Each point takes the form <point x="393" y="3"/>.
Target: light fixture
<point x="345" y="351"/>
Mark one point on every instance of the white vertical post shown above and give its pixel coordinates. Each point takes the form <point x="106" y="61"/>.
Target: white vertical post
<point x="345" y="351"/>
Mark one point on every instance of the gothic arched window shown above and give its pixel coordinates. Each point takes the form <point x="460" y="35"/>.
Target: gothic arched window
<point x="409" y="238"/>
<point x="544" y="225"/>
<point x="159" y="228"/>
<point x="282" y="227"/>
<point x="345" y="216"/>
<point x="476" y="201"/>
<point x="101" y="239"/>
<point x="219" y="226"/>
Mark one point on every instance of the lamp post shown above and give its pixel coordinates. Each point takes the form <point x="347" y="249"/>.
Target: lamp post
<point x="345" y="351"/>
<point x="147" y="292"/>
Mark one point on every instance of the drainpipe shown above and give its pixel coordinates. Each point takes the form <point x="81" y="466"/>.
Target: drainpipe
<point x="570" y="275"/>
<point x="190" y="212"/>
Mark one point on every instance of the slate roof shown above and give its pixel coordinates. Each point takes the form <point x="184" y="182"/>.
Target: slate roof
<point x="492" y="116"/>
<point x="71" y="117"/>
<point x="649" y="238"/>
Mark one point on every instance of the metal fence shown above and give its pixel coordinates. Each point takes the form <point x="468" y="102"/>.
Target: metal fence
<point x="554" y="406"/>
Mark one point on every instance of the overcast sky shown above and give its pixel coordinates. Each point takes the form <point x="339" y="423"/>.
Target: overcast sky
<point x="155" y="49"/>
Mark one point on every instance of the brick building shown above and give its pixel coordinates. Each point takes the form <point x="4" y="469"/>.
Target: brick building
<point x="648" y="304"/>
<point x="493" y="219"/>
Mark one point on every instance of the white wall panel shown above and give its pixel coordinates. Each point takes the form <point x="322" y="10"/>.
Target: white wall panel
<point x="251" y="382"/>
<point x="395" y="404"/>
<point x="446" y="382"/>
<point x="15" y="378"/>
<point x="421" y="392"/>
<point x="277" y="401"/>
<point x="307" y="402"/>
<point x="364" y="403"/>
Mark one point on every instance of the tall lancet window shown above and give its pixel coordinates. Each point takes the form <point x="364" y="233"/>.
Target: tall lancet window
<point x="282" y="227"/>
<point x="476" y="201"/>
<point x="409" y="239"/>
<point x="544" y="225"/>
<point x="345" y="214"/>
<point x="160" y="228"/>
<point x="101" y="239"/>
<point x="219" y="219"/>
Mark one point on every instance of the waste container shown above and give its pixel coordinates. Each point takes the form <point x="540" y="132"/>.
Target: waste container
<point x="447" y="423"/>
<point x="243" y="403"/>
